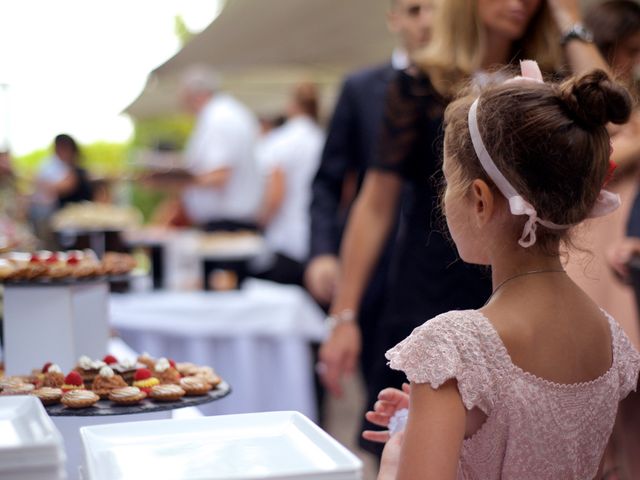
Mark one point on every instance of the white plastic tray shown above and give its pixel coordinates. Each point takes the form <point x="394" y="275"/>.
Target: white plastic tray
<point x="275" y="446"/>
<point x="28" y="438"/>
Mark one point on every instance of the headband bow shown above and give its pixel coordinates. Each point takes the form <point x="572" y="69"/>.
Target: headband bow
<point x="606" y="202"/>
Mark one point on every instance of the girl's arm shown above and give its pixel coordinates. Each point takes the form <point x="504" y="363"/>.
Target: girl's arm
<point x="433" y="438"/>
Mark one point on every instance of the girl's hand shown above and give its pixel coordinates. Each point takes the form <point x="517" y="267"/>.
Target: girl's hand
<point x="566" y="13"/>
<point x="390" y="400"/>
<point x="390" y="460"/>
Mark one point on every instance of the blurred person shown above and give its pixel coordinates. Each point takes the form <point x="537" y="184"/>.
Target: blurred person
<point x="59" y="181"/>
<point x="289" y="161"/>
<point x="426" y="276"/>
<point x="615" y="25"/>
<point x="349" y="150"/>
<point x="61" y="178"/>
<point x="225" y="191"/>
<point x="351" y="144"/>
<point x="14" y="229"/>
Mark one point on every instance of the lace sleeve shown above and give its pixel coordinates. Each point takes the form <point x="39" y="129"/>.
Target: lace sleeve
<point x="446" y="347"/>
<point x="409" y="100"/>
<point x="627" y="360"/>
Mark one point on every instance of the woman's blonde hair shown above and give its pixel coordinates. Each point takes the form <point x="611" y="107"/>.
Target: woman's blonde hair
<point x="458" y="45"/>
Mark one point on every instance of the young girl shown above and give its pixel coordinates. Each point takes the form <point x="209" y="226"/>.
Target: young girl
<point x="527" y="387"/>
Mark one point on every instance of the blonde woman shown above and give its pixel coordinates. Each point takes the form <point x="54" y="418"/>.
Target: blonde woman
<point x="469" y="39"/>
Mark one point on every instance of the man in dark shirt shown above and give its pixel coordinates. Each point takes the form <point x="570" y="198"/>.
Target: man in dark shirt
<point x="350" y="149"/>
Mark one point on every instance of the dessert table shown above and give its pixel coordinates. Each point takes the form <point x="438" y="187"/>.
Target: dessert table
<point x="257" y="338"/>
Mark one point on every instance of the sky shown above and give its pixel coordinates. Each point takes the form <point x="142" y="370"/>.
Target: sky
<point x="73" y="65"/>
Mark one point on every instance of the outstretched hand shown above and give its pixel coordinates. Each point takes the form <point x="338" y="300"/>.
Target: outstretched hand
<point x="390" y="400"/>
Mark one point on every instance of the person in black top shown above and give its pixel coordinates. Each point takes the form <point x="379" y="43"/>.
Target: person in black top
<point x="67" y="181"/>
<point x="348" y="152"/>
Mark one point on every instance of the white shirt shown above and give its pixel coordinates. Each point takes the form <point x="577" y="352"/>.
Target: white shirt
<point x="295" y="148"/>
<point x="52" y="171"/>
<point x="224" y="136"/>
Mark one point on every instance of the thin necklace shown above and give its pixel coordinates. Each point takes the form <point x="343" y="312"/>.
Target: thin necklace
<point x="530" y="272"/>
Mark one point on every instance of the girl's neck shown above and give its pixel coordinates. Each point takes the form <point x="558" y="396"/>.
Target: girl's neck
<point x="520" y="261"/>
<point x="498" y="51"/>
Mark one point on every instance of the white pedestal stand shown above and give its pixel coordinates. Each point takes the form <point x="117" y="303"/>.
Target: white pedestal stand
<point x="54" y="323"/>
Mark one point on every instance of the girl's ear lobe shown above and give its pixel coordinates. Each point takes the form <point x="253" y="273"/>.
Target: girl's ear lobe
<point x="483" y="201"/>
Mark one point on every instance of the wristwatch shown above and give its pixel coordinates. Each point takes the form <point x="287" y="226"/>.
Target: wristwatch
<point x="345" y="316"/>
<point x="577" y="32"/>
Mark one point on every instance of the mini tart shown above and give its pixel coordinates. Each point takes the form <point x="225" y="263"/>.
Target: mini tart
<point x="169" y="376"/>
<point x="102" y="386"/>
<point x="209" y="375"/>
<point x="20" y="389"/>
<point x="48" y="395"/>
<point x="146" y="360"/>
<point x="79" y="399"/>
<point x="147" y="384"/>
<point x="187" y="369"/>
<point x="66" y="387"/>
<point x="194" y="386"/>
<point x="127" y="395"/>
<point x="167" y="393"/>
<point x="53" y="379"/>
<point x="10" y="382"/>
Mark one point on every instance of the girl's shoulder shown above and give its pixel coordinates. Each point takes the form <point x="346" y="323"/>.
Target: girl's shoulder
<point x="626" y="358"/>
<point x="457" y="344"/>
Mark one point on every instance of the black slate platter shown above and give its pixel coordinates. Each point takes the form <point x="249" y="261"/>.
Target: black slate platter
<point x="106" y="407"/>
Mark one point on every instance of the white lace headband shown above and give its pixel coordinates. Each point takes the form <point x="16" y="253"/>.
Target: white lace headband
<point x="606" y="203"/>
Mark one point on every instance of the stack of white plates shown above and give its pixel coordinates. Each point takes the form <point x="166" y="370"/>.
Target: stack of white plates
<point x="273" y="446"/>
<point x="31" y="447"/>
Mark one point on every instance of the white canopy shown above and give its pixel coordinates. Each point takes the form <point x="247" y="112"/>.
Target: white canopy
<point x="262" y="47"/>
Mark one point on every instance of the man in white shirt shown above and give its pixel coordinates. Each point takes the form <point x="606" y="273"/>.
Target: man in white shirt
<point x="225" y="192"/>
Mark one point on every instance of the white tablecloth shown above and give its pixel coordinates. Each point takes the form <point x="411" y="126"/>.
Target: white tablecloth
<point x="257" y="339"/>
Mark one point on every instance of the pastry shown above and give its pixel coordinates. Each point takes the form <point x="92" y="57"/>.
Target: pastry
<point x="88" y="368"/>
<point x="110" y="360"/>
<point x="117" y="263"/>
<point x="147" y="360"/>
<point x="209" y="375"/>
<point x="18" y="389"/>
<point x="167" y="393"/>
<point x="127" y="395"/>
<point x="187" y="369"/>
<point x="194" y="386"/>
<point x="10" y="382"/>
<point x="57" y="267"/>
<point x="73" y="381"/>
<point x="127" y="369"/>
<point x="48" y="395"/>
<point x="53" y="376"/>
<point x="166" y="372"/>
<point x="82" y="265"/>
<point x="144" y="380"/>
<point x="33" y="269"/>
<point x="79" y="399"/>
<point x="106" y="381"/>
<point x="7" y="269"/>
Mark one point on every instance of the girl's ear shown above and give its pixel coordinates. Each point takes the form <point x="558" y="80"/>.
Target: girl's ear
<point x="483" y="201"/>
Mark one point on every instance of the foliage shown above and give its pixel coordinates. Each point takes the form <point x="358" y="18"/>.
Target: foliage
<point x="171" y="130"/>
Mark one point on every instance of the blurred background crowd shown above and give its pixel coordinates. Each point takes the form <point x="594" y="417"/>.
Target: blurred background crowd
<point x="225" y="142"/>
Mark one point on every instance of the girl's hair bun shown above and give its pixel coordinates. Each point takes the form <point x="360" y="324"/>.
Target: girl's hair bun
<point x="593" y="100"/>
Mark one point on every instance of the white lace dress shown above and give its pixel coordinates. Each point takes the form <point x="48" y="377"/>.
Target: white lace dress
<point x="535" y="428"/>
